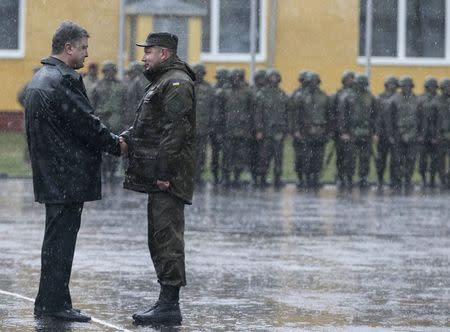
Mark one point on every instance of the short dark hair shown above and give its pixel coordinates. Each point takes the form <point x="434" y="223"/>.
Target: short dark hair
<point x="67" y="32"/>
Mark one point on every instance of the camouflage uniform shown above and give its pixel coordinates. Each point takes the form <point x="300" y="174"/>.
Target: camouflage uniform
<point x="426" y="131"/>
<point x="313" y="125"/>
<point x="236" y="105"/>
<point x="384" y="127"/>
<point x="336" y="100"/>
<point x="298" y="144"/>
<point x="135" y="90"/>
<point x="204" y="107"/>
<point x="356" y="125"/>
<point x="404" y="123"/>
<point x="260" y="81"/>
<point x="217" y="120"/>
<point x="108" y="100"/>
<point x="442" y="120"/>
<point x="271" y="123"/>
<point x="90" y="79"/>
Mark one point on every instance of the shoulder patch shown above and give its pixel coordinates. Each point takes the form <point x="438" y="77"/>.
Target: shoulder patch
<point x="175" y="83"/>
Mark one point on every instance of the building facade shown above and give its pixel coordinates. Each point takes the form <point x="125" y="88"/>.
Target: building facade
<point x="409" y="37"/>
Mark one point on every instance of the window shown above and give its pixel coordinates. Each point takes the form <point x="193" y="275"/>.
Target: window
<point x="12" y="14"/>
<point x="226" y="30"/>
<point x="407" y="32"/>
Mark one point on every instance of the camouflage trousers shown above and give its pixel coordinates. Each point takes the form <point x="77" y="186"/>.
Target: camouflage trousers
<point x="314" y="153"/>
<point x="166" y="237"/>
<point x="269" y="149"/>
<point x="236" y="155"/>
<point x="428" y="158"/>
<point x="383" y="151"/>
<point x="200" y="148"/>
<point x="353" y="151"/>
<point x="404" y="160"/>
<point x="299" y="150"/>
<point x="443" y="151"/>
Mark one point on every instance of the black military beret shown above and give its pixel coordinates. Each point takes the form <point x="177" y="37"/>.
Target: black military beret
<point x="162" y="39"/>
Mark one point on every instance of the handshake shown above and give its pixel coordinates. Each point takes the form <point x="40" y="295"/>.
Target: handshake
<point x="123" y="146"/>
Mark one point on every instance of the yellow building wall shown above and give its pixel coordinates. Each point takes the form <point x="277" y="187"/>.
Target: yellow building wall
<point x="99" y="17"/>
<point x="323" y="36"/>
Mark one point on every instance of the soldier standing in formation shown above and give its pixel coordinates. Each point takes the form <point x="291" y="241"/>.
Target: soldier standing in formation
<point x="236" y="104"/>
<point x="312" y="128"/>
<point x="384" y="127"/>
<point x="271" y="126"/>
<point x="297" y="142"/>
<point x="336" y="99"/>
<point x="404" y="124"/>
<point x="426" y="132"/>
<point x="135" y="90"/>
<point x="260" y="81"/>
<point x="442" y="116"/>
<point x="204" y="106"/>
<point x="109" y="101"/>
<point x="90" y="79"/>
<point x="217" y="124"/>
<point x="356" y="125"/>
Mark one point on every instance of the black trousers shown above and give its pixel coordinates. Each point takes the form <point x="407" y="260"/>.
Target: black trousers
<point x="62" y="223"/>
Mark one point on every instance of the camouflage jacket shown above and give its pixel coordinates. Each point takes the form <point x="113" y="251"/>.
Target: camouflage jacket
<point x="162" y="138"/>
<point x="271" y="112"/>
<point x="404" y="117"/>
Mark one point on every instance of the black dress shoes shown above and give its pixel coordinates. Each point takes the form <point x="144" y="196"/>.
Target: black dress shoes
<point x="160" y="313"/>
<point x="71" y="315"/>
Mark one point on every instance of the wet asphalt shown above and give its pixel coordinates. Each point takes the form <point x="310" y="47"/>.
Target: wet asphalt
<point x="257" y="260"/>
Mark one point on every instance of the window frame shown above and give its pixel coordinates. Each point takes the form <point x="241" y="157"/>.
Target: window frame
<point x="401" y="59"/>
<point x="20" y="51"/>
<point x="214" y="55"/>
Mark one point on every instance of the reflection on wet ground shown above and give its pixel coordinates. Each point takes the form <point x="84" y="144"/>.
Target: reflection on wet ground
<point x="256" y="261"/>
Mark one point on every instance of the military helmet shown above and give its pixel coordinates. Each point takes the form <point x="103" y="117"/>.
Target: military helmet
<point x="259" y="73"/>
<point x="237" y="72"/>
<point x="222" y="73"/>
<point x="391" y="80"/>
<point x="272" y="72"/>
<point x="313" y="77"/>
<point x="199" y="68"/>
<point x="445" y="82"/>
<point x="362" y="80"/>
<point x="303" y="75"/>
<point x="406" y="81"/>
<point x="135" y="66"/>
<point x="430" y="82"/>
<point x="108" y="65"/>
<point x="348" y="74"/>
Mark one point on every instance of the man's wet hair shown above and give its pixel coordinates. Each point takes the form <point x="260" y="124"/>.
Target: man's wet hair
<point x="67" y="32"/>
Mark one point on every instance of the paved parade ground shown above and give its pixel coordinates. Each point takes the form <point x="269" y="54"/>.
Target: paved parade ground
<point x="256" y="261"/>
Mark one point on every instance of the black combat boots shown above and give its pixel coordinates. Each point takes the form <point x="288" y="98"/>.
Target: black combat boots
<point x="166" y="310"/>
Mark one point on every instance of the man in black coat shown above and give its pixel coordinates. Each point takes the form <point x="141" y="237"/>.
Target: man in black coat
<point x="65" y="141"/>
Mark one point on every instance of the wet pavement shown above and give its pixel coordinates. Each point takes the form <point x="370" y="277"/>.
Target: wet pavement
<point x="256" y="261"/>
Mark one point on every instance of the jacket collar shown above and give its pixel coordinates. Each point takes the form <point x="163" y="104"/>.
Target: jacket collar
<point x="172" y="63"/>
<point x="64" y="69"/>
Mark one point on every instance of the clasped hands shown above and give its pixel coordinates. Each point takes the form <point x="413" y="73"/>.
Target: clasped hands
<point x="162" y="185"/>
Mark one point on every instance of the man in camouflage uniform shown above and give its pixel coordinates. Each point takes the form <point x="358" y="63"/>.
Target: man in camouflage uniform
<point x="204" y="107"/>
<point x="260" y="81"/>
<point x="404" y="124"/>
<point x="336" y="99"/>
<point x="426" y="131"/>
<point x="297" y="142"/>
<point x="108" y="100"/>
<point x="90" y="79"/>
<point x="356" y="125"/>
<point x="161" y="164"/>
<point x="135" y="90"/>
<point x="217" y="124"/>
<point x="312" y="128"/>
<point x="236" y="104"/>
<point x="271" y="127"/>
<point x="384" y="127"/>
<point x="442" y="120"/>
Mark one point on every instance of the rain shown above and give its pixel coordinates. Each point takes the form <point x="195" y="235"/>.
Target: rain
<point x="308" y="167"/>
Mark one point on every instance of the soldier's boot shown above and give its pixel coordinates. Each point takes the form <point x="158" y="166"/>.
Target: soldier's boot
<point x="424" y="179"/>
<point x="237" y="178"/>
<point x="380" y="180"/>
<point x="433" y="180"/>
<point x="349" y="182"/>
<point x="408" y="186"/>
<point x="363" y="184"/>
<point x="165" y="311"/>
<point x="263" y="181"/>
<point x="300" y="183"/>
<point x="277" y="182"/>
<point x="315" y="181"/>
